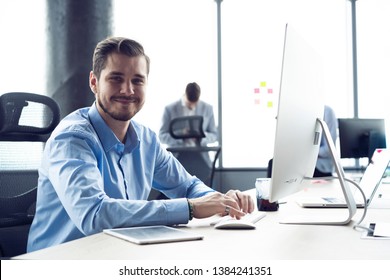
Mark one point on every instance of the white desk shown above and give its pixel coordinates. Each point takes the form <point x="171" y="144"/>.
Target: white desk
<point x="270" y="241"/>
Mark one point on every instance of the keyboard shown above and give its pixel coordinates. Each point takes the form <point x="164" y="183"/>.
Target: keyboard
<point x="247" y="222"/>
<point x="334" y="200"/>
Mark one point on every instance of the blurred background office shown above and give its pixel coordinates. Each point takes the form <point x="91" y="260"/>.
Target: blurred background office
<point x="189" y="104"/>
<point x="233" y="48"/>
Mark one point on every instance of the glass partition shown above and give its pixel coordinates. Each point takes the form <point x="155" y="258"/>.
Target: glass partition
<point x="181" y="38"/>
<point x="251" y="67"/>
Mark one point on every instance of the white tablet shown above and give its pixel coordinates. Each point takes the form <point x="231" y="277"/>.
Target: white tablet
<point x="153" y="234"/>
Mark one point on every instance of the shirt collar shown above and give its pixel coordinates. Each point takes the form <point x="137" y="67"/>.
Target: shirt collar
<point x="187" y="111"/>
<point x="107" y="136"/>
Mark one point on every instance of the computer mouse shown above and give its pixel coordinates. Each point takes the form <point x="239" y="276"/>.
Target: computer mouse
<point x="234" y="224"/>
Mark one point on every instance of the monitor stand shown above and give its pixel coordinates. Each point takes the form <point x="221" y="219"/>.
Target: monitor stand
<point x="351" y="204"/>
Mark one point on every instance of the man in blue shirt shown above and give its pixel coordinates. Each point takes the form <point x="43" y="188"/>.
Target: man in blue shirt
<point x="99" y="165"/>
<point x="325" y="165"/>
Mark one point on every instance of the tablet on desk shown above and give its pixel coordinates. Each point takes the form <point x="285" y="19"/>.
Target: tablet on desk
<point x="153" y="234"/>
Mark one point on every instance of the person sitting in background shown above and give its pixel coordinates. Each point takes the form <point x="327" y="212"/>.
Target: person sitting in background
<point x="325" y="165"/>
<point x="99" y="165"/>
<point x="189" y="105"/>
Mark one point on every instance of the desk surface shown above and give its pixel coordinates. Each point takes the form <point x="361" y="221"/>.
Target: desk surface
<point x="271" y="240"/>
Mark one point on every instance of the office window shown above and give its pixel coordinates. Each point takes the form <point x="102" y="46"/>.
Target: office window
<point x="253" y="33"/>
<point x="183" y="49"/>
<point x="23" y="48"/>
<point x="373" y="45"/>
<point x="180" y="38"/>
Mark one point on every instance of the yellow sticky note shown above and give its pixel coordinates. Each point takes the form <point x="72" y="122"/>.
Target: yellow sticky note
<point x="263" y="84"/>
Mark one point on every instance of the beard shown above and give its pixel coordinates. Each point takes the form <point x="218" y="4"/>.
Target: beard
<point x="117" y="114"/>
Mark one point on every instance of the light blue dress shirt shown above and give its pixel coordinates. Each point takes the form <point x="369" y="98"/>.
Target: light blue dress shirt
<point x="325" y="161"/>
<point x="90" y="181"/>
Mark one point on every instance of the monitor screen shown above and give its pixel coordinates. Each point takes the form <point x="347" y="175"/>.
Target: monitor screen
<point x="298" y="133"/>
<point x="360" y="137"/>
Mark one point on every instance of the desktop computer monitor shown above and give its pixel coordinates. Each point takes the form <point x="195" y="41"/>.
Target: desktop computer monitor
<point x="298" y="133"/>
<point x="360" y="137"/>
<point x="299" y="124"/>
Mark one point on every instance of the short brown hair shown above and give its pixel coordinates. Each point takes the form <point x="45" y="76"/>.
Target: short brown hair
<point x="193" y="92"/>
<point x="118" y="45"/>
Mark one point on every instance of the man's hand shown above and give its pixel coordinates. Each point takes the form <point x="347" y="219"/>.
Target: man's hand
<point x="244" y="200"/>
<point x="233" y="203"/>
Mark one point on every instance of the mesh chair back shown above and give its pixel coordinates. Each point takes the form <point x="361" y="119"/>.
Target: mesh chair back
<point x="27" y="116"/>
<point x="24" y="117"/>
<point x="187" y="127"/>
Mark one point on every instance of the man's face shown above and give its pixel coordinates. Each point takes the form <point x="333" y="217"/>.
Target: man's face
<point x="190" y="105"/>
<point x="120" y="89"/>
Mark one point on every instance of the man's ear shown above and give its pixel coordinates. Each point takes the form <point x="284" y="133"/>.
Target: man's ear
<point x="93" y="82"/>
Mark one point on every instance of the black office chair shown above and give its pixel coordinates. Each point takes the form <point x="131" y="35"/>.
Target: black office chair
<point x="187" y="127"/>
<point x="24" y="117"/>
<point x="195" y="159"/>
